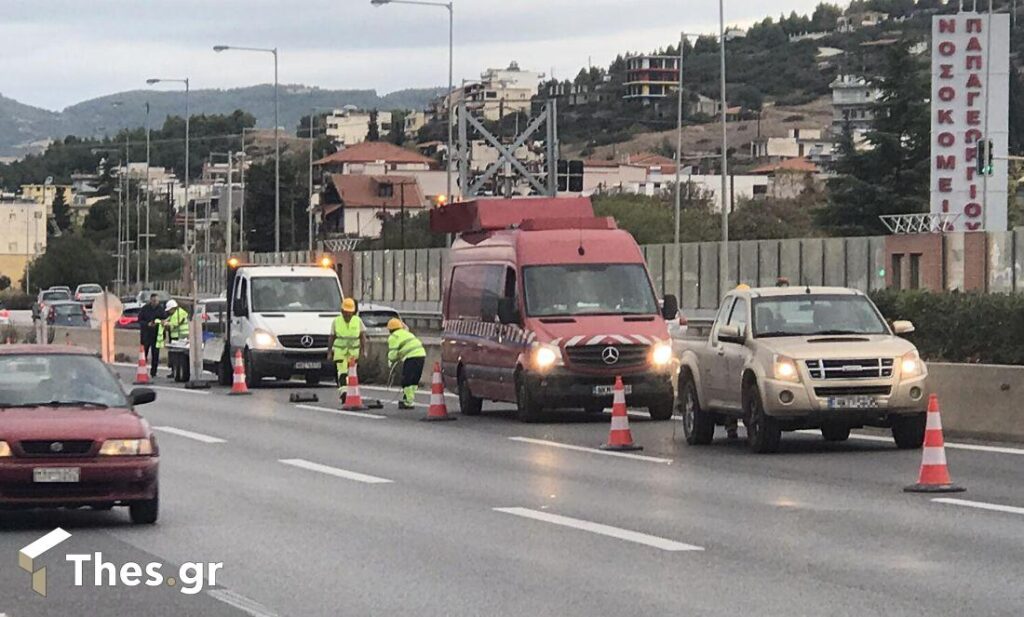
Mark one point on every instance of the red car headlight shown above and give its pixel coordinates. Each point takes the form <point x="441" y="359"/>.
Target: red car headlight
<point x="126" y="447"/>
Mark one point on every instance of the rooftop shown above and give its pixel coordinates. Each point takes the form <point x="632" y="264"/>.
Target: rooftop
<point x="363" y="191"/>
<point x="373" y="152"/>
<point x="794" y="165"/>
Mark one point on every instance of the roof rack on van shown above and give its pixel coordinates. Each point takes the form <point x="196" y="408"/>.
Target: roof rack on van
<point x="528" y="212"/>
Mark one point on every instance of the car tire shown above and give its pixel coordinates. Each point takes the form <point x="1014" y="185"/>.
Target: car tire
<point x="527" y="408"/>
<point x="252" y="376"/>
<point x="145" y="512"/>
<point x="312" y="380"/>
<point x="469" y="405"/>
<point x="908" y="431"/>
<point x="698" y="425"/>
<point x="226" y="371"/>
<point x="763" y="432"/>
<point x="662" y="410"/>
<point x="835" y="432"/>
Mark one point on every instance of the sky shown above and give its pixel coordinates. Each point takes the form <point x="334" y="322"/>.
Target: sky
<point x="60" y="52"/>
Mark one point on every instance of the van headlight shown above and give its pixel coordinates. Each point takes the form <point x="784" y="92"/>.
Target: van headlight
<point x="126" y="447"/>
<point x="661" y="355"/>
<point x="911" y="365"/>
<point x="262" y="339"/>
<point x="546" y="356"/>
<point x="5" y="450"/>
<point x="785" y="369"/>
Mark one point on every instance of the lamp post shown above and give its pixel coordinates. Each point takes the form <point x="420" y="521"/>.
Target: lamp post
<point x="182" y="81"/>
<point x="277" y="140"/>
<point x="679" y="136"/>
<point x="451" y="55"/>
<point x="149" y="191"/>
<point x="723" y="252"/>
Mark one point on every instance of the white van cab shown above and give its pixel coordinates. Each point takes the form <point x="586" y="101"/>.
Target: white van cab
<point x="280" y="317"/>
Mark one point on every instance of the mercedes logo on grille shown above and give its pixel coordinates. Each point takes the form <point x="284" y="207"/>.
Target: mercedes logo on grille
<point x="610" y="355"/>
<point x="56" y="447"/>
<point x="306" y="341"/>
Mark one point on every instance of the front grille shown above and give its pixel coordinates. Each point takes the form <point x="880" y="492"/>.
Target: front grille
<point x="50" y="448"/>
<point x="294" y="341"/>
<point x="592" y="356"/>
<point x="853" y="390"/>
<point x="870" y="368"/>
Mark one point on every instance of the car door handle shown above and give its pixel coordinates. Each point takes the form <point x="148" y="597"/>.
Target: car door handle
<point x="721" y="351"/>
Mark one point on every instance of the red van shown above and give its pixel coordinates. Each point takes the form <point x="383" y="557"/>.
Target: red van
<point x="545" y="305"/>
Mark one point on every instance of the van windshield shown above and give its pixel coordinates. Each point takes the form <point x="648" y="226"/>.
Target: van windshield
<point x="295" y="294"/>
<point x="588" y="289"/>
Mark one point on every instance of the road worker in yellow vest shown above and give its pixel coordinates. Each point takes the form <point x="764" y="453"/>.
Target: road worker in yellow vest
<point x="175" y="325"/>
<point x="404" y="347"/>
<point x="348" y="336"/>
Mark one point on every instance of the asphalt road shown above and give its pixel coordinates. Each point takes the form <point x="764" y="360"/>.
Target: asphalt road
<point x="314" y="513"/>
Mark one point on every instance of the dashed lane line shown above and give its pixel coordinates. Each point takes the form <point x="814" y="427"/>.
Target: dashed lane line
<point x="605" y="530"/>
<point x="242" y="603"/>
<point x="343" y="412"/>
<point x="980" y="505"/>
<point x="566" y="446"/>
<point x="189" y="434"/>
<point x="334" y="471"/>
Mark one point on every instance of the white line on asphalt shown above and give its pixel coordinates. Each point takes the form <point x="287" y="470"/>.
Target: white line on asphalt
<point x="173" y="389"/>
<point x="951" y="445"/>
<point x="604" y="530"/>
<point x="189" y="434"/>
<point x="334" y="471"/>
<point x="342" y="412"/>
<point x="565" y="446"/>
<point x="242" y="603"/>
<point x="981" y="505"/>
<point x="419" y="391"/>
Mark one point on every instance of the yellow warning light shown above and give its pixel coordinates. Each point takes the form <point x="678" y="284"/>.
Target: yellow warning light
<point x="742" y="287"/>
<point x="441" y="199"/>
<point x="233" y="262"/>
<point x="326" y="262"/>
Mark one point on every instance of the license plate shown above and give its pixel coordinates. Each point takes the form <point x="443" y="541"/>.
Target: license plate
<point x="852" y="402"/>
<point x="307" y="366"/>
<point x="608" y="390"/>
<point x="55" y="474"/>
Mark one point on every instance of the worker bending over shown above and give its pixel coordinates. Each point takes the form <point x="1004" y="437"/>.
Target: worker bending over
<point x="404" y="347"/>
<point x="347" y="337"/>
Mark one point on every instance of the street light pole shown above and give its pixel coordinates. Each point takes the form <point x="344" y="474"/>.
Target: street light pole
<point x="149" y="191"/>
<point x="723" y="252"/>
<point x="450" y="6"/>
<point x="679" y="140"/>
<point x="277" y="138"/>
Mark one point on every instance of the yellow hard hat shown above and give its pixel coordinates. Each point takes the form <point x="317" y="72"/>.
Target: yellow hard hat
<point x="394" y="324"/>
<point x="348" y="305"/>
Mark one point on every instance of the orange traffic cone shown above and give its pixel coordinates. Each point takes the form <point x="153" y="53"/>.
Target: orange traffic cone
<point x="619" y="437"/>
<point x="353" y="400"/>
<point x="934" y="476"/>
<point x="142" y="373"/>
<point x="438" y="410"/>
<point x="238" y="385"/>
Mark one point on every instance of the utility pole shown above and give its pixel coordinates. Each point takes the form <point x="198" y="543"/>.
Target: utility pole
<point x="231" y="210"/>
<point x="149" y="191"/>
<point x="723" y="252"/>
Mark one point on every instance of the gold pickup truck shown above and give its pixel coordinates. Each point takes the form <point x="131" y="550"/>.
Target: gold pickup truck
<point x="791" y="358"/>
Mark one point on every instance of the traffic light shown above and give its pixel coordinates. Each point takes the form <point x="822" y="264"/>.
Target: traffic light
<point x="985" y="157"/>
<point x="563" y="175"/>
<point x="575" y="176"/>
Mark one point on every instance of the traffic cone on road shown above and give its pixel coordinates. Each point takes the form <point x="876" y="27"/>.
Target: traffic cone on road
<point x="934" y="476"/>
<point x="353" y="400"/>
<point x="142" y="373"/>
<point x="438" y="410"/>
<point x="619" y="437"/>
<point x="238" y="385"/>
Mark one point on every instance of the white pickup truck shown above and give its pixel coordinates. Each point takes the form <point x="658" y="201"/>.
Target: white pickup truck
<point x="790" y="358"/>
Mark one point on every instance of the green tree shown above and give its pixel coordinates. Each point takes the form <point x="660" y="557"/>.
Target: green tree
<point x="777" y="218"/>
<point x="373" y="130"/>
<point x="259" y="205"/>
<point x="5" y="282"/>
<point x="72" y="260"/>
<point x="61" y="211"/>
<point x="825" y="17"/>
<point x="416" y="233"/>
<point x="890" y="177"/>
<point x="397" y="133"/>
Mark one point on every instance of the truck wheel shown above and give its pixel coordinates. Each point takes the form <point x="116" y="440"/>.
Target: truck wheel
<point x="226" y="370"/>
<point x="312" y="379"/>
<point x="908" y="431"/>
<point x="835" y="432"/>
<point x="469" y="405"/>
<point x="763" y="432"/>
<point x="698" y="425"/>
<point x="252" y="376"/>
<point x="527" y="407"/>
<point x="662" y="410"/>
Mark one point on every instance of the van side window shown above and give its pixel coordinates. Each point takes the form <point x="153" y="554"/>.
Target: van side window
<point x="474" y="292"/>
<point x="723" y="314"/>
<point x="510" y="283"/>
<point x="739" y="315"/>
<point x="243" y="291"/>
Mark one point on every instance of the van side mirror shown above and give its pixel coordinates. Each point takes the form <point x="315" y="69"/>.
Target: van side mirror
<point x="902" y="326"/>
<point x="239" y="308"/>
<point x="508" y="313"/>
<point x="670" y="307"/>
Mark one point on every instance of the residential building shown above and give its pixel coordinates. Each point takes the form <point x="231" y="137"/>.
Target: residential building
<point x="789" y="177"/>
<point x="733" y="32"/>
<point x="854" y="21"/>
<point x="808" y="36"/>
<point x="375" y="157"/>
<point x="809" y="143"/>
<point x="853" y="100"/>
<point x="46" y="193"/>
<point x="748" y="186"/>
<point x="414" y="121"/>
<point x="353" y="205"/>
<point x="22" y="235"/>
<point x="611" y="177"/>
<point x="499" y="92"/>
<point x="703" y="105"/>
<point x="350" y="125"/>
<point x="651" y="78"/>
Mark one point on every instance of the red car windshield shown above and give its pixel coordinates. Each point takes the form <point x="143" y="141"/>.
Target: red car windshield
<point x="58" y="380"/>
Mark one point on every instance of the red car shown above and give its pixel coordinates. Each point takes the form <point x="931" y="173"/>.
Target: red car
<point x="70" y="437"/>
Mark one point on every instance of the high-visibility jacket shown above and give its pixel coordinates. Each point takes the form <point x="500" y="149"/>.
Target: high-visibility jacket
<point x="177" y="324"/>
<point x="159" y="335"/>
<point x="403" y="344"/>
<point x="346" y="337"/>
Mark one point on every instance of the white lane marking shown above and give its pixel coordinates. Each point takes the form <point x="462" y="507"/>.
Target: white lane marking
<point x="173" y="389"/>
<point x="418" y="391"/>
<point x="189" y="434"/>
<point x="343" y="412"/>
<point x="604" y="530"/>
<point x="334" y="471"/>
<point x="981" y="505"/>
<point x="44" y="544"/>
<point x="565" y="446"/>
<point x="242" y="603"/>
<point x="951" y="445"/>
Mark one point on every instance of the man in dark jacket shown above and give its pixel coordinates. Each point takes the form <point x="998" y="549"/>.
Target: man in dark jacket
<point x="150" y="316"/>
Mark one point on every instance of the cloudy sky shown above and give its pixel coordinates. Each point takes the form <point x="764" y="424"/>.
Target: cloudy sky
<point x="59" y="52"/>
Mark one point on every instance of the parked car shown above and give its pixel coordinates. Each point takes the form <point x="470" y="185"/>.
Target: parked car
<point x="375" y="318"/>
<point x="45" y="297"/>
<point x="791" y="358"/>
<point x="70" y="437"/>
<point x="5" y="315"/>
<point x="87" y="293"/>
<point x="67" y="313"/>
<point x="60" y="288"/>
<point x="129" y="319"/>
